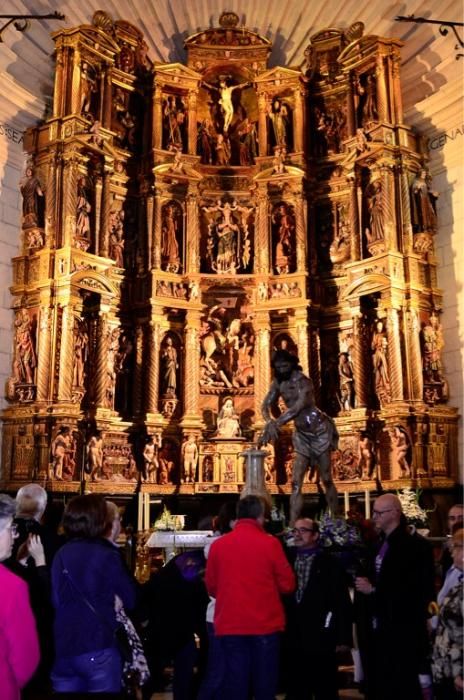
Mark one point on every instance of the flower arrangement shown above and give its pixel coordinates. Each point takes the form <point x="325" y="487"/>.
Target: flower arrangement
<point x="415" y="515"/>
<point x="337" y="532"/>
<point x="167" y="521"/>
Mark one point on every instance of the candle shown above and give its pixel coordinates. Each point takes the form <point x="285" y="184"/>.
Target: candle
<point x="139" y="511"/>
<point x="347" y="503"/>
<point x="367" y="501"/>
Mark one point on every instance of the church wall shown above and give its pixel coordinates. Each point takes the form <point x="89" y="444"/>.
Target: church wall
<point x="440" y="118"/>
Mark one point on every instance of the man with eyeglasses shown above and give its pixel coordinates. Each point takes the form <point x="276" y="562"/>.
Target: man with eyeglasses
<point x="319" y="617"/>
<point x="398" y="593"/>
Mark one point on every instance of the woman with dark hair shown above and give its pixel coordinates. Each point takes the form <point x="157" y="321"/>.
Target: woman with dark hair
<point x="19" y="647"/>
<point x="88" y="581"/>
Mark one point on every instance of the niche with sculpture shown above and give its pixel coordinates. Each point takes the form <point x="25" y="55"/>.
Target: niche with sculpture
<point x="227" y="237"/>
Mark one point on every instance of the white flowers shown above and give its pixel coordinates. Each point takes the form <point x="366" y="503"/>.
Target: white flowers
<point x="415" y="515"/>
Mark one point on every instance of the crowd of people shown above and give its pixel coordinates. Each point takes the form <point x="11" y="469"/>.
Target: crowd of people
<point x="253" y="615"/>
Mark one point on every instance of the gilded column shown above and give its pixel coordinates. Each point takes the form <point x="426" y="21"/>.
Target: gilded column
<point x="137" y="390"/>
<point x="156" y="233"/>
<point x="361" y="358"/>
<point x="301" y="325"/>
<point x="394" y="355"/>
<point x="262" y="123"/>
<point x="263" y="364"/>
<point x="192" y="365"/>
<point x="104" y="242"/>
<point x="98" y="209"/>
<point x="315" y="362"/>
<point x="107" y="100"/>
<point x="351" y="116"/>
<point x="298" y="120"/>
<point x="154" y="344"/>
<point x="76" y="82"/>
<point x="66" y="354"/>
<point x="382" y="95"/>
<point x="59" y="82"/>
<point x="388" y="197"/>
<point x="149" y="225"/>
<point x="414" y="357"/>
<point x="192" y="122"/>
<point x="355" y="242"/>
<point x="69" y="199"/>
<point x="50" y="203"/>
<point x="44" y="354"/>
<point x="100" y="373"/>
<point x="191" y="233"/>
<point x="157" y="117"/>
<point x="300" y="232"/>
<point x="397" y="96"/>
<point x="408" y="239"/>
<point x="262" y="262"/>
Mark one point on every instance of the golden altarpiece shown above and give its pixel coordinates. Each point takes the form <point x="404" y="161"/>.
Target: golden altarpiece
<point x="180" y="223"/>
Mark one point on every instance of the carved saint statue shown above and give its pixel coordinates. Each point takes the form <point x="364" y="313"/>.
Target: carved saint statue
<point x="315" y="433"/>
<point x="116" y="227"/>
<point x="83" y="210"/>
<point x="59" y="447"/>
<point x="346" y="379"/>
<point x="33" y="199"/>
<point x="432" y="345"/>
<point x="228" y="425"/>
<point x="170" y="245"/>
<point x="423" y="214"/>
<point x="169" y="367"/>
<point x="189" y="456"/>
<point x="280" y="123"/>
<point x="150" y="458"/>
<point x="81" y="342"/>
<point x="366" y="455"/>
<point x="25" y="359"/>
<point x="375" y="232"/>
<point x="401" y="451"/>
<point x="284" y="224"/>
<point x="379" y="347"/>
<point x="94" y="450"/>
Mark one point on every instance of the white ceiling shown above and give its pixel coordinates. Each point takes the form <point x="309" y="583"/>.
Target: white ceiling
<point x="428" y="58"/>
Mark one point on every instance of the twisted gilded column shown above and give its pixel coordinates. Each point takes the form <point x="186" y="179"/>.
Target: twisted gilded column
<point x="43" y="352"/>
<point x="60" y="73"/>
<point x="100" y="373"/>
<point x="192" y="233"/>
<point x="262" y="262"/>
<point x="408" y="241"/>
<point x="315" y="362"/>
<point x="382" y="94"/>
<point x="394" y="355"/>
<point x="361" y="361"/>
<point x="65" y="361"/>
<point x="351" y="116"/>
<point x="300" y="232"/>
<point x="355" y="236"/>
<point x="397" y="96"/>
<point x="69" y="199"/>
<point x="150" y="203"/>
<point x="388" y="198"/>
<point x="192" y="365"/>
<point x="153" y="368"/>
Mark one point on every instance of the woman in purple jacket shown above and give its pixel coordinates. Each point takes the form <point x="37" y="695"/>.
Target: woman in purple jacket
<point x="87" y="578"/>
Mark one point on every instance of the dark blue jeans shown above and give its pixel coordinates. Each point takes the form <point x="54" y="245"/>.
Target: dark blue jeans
<point x="252" y="663"/>
<point x="211" y="687"/>
<point x="95" y="672"/>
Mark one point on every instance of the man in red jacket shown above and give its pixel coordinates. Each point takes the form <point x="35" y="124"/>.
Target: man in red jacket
<point x="247" y="572"/>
